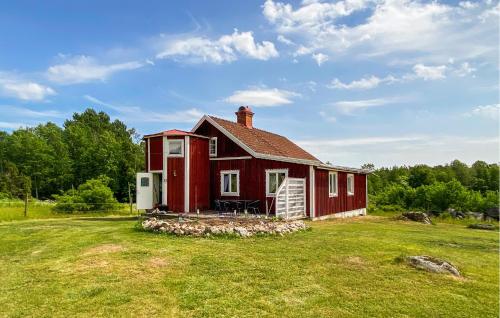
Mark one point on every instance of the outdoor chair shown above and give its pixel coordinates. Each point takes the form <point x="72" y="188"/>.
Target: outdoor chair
<point x="235" y="205"/>
<point x="253" y="207"/>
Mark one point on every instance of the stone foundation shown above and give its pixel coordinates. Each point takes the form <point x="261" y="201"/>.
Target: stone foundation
<point x="236" y="227"/>
<point x="346" y="214"/>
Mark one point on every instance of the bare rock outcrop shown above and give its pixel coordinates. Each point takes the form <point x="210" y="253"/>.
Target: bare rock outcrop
<point x="433" y="264"/>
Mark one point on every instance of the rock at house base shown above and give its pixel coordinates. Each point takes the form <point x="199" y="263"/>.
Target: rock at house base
<point x="432" y="264"/>
<point x="417" y="217"/>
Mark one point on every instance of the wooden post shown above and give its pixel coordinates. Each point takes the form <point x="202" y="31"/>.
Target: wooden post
<point x="26" y="204"/>
<point x="129" y="198"/>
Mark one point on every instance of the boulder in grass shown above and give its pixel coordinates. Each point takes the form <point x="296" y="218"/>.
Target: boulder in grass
<point x="493" y="213"/>
<point x="433" y="264"/>
<point x="482" y="226"/>
<point x="417" y="217"/>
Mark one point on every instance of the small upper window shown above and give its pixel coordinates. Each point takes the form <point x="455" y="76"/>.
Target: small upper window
<point x="332" y="184"/>
<point x="350" y="184"/>
<point x="176" y="148"/>
<point x="212" y="147"/>
<point x="144" y="182"/>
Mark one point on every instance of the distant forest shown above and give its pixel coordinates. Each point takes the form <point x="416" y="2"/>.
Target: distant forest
<point x="55" y="159"/>
<point x="50" y="160"/>
<point x="451" y="186"/>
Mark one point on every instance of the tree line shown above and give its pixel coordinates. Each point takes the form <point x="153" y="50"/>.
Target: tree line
<point x="455" y="185"/>
<point x="51" y="159"/>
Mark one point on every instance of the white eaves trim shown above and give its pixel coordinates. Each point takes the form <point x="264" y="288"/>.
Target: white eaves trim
<point x="248" y="149"/>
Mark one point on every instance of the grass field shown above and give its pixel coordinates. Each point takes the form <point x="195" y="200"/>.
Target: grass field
<point x="39" y="210"/>
<point x="342" y="268"/>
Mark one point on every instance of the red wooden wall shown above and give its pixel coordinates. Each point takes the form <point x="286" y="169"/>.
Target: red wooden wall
<point x="156" y="148"/>
<point x="175" y="181"/>
<point x="225" y="146"/>
<point x="253" y="179"/>
<point x="342" y="202"/>
<point x="199" y="167"/>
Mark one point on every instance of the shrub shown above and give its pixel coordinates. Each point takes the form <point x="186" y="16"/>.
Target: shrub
<point x="93" y="195"/>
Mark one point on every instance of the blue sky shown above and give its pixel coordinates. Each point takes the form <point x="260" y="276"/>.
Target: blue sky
<point x="353" y="81"/>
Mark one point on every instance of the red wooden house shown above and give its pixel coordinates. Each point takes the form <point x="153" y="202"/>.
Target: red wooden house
<point x="225" y="160"/>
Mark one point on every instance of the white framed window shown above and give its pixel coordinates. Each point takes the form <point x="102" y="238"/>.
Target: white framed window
<point x="230" y="182"/>
<point x="350" y="184"/>
<point x="212" y="147"/>
<point x="274" y="178"/>
<point x="333" y="184"/>
<point x="175" y="148"/>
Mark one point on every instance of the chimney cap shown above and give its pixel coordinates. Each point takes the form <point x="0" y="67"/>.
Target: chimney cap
<point x="245" y="109"/>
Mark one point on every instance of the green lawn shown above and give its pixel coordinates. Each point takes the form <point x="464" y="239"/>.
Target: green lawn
<point x="342" y="268"/>
<point x="39" y="210"/>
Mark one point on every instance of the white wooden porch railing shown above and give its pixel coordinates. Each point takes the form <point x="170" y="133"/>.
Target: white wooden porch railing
<point x="291" y="199"/>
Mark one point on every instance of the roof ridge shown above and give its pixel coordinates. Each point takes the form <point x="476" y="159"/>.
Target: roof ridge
<point x="271" y="143"/>
<point x="250" y="129"/>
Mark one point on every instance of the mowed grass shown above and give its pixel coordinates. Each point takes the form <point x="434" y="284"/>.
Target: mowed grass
<point x="341" y="268"/>
<point x="40" y="210"/>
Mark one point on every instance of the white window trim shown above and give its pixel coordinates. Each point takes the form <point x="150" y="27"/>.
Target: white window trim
<point x="233" y="194"/>
<point x="182" y="148"/>
<point x="269" y="171"/>
<point x="332" y="194"/>
<point x="350" y="175"/>
<point x="211" y="154"/>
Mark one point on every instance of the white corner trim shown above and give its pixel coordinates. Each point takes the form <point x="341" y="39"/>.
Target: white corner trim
<point x="234" y="194"/>
<point x="231" y="158"/>
<point x="312" y="194"/>
<point x="269" y="171"/>
<point x="164" y="177"/>
<point x="149" y="156"/>
<point x="186" y="175"/>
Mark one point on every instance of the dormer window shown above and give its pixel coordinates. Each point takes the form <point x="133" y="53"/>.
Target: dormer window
<point x="212" y="147"/>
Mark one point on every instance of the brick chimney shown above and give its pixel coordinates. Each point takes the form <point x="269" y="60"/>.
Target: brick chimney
<point x="244" y="116"/>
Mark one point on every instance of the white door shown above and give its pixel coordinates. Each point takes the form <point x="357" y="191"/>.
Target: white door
<point x="144" y="186"/>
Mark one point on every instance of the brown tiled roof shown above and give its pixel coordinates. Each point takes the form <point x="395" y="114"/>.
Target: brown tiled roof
<point x="264" y="142"/>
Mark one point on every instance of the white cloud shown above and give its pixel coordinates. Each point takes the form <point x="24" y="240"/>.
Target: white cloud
<point x="464" y="69"/>
<point x="13" y="86"/>
<point x="261" y="97"/>
<point x="363" y="83"/>
<point x="10" y="125"/>
<point x="404" y="149"/>
<point x="26" y="112"/>
<point x="327" y="117"/>
<point x="430" y="72"/>
<point x="138" y="114"/>
<point x="226" y="49"/>
<point x="320" y="58"/>
<point x="468" y="5"/>
<point x="82" y="69"/>
<point x="302" y="50"/>
<point x="420" y="71"/>
<point x="348" y="107"/>
<point x="487" y="111"/>
<point x="430" y="31"/>
<point x="284" y="40"/>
